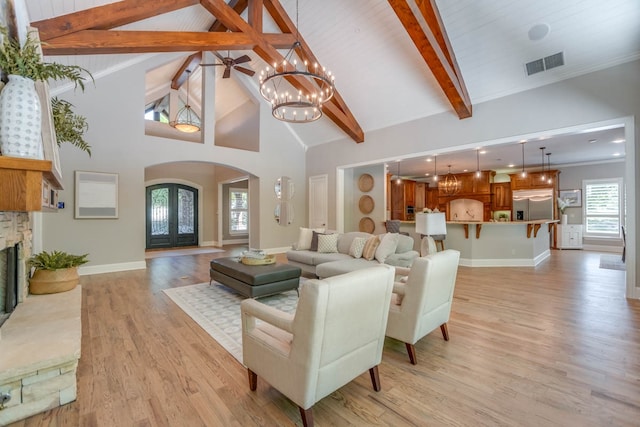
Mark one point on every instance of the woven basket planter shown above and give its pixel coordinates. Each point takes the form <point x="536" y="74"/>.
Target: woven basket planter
<point x="53" y="281"/>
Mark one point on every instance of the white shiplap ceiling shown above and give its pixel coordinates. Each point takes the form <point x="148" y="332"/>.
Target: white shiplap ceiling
<point x="379" y="72"/>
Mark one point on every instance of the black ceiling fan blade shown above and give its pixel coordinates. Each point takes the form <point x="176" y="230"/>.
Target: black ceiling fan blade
<point x="210" y="65"/>
<point x="247" y="71"/>
<point x="242" y="59"/>
<point x="227" y="73"/>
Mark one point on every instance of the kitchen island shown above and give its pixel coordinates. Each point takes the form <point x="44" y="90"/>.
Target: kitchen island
<point x="496" y="244"/>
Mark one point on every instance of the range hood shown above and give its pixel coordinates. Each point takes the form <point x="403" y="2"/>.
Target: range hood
<point x="533" y="195"/>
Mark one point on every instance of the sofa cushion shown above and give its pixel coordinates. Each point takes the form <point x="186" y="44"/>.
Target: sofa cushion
<point x="314" y="240"/>
<point x="328" y="243"/>
<point x="369" y="251"/>
<point x="405" y="244"/>
<point x="387" y="246"/>
<point x="315" y="258"/>
<point x="329" y="269"/>
<point x="357" y="247"/>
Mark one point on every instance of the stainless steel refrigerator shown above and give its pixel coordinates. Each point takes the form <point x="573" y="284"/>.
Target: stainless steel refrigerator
<point x="529" y="205"/>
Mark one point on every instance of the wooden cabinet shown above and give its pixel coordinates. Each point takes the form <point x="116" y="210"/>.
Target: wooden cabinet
<point x="569" y="236"/>
<point x="26" y="184"/>
<point x="432" y="198"/>
<point x="402" y="195"/>
<point x="501" y="196"/>
<point x="533" y="180"/>
<point x="420" y="198"/>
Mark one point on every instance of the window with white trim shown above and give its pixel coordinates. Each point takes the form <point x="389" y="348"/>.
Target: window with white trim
<point x="602" y="207"/>
<point x="238" y="211"/>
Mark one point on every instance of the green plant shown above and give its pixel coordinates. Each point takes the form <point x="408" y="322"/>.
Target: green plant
<point x="69" y="126"/>
<point x="56" y="260"/>
<point x="26" y="61"/>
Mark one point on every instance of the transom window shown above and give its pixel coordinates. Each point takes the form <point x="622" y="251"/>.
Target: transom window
<point x="238" y="211"/>
<point x="603" y="207"/>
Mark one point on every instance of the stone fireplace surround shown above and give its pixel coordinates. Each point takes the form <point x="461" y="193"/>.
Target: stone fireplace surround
<point x="40" y="342"/>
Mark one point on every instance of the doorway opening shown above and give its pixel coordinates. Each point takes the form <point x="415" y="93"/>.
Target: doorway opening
<point x="172" y="216"/>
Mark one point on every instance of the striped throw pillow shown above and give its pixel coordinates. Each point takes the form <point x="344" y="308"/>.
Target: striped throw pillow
<point x="369" y="251"/>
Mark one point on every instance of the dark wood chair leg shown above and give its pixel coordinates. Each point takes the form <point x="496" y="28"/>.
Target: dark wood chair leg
<point x="307" y="417"/>
<point x="445" y="332"/>
<point x="253" y="380"/>
<point x="375" y="378"/>
<point x="412" y="353"/>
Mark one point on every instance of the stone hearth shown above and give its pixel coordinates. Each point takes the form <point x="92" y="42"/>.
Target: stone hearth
<point x="40" y="342"/>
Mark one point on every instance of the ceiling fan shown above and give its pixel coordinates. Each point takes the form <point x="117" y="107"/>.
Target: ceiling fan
<point x="230" y="63"/>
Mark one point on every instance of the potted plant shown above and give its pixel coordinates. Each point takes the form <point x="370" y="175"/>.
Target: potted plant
<point x="55" y="271"/>
<point x="24" y="65"/>
<point x="69" y="126"/>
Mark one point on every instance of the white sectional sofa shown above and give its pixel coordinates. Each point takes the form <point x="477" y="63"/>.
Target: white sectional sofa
<point x="327" y="264"/>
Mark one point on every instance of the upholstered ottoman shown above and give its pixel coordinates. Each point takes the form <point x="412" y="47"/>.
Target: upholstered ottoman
<point x="254" y="280"/>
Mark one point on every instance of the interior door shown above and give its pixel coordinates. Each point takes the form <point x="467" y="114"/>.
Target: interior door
<point x="172" y="216"/>
<point x="318" y="201"/>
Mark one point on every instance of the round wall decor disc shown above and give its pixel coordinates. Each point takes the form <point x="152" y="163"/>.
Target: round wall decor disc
<point x="366" y="204"/>
<point x="365" y="182"/>
<point x="367" y="225"/>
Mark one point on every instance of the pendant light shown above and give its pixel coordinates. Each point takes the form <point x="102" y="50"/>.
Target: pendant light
<point x="523" y="174"/>
<point x="549" y="179"/>
<point x="478" y="173"/>
<point x="186" y="119"/>
<point x="542" y="177"/>
<point x="399" y="180"/>
<point x="450" y="185"/>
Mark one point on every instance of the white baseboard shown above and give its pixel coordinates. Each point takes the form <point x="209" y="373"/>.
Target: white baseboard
<point x="603" y="248"/>
<point x="235" y="242"/>
<point x="112" y="268"/>
<point x="505" y="262"/>
<point x="211" y="243"/>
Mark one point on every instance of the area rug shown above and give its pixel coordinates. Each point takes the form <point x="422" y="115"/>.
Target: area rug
<point x="612" y="262"/>
<point x="216" y="309"/>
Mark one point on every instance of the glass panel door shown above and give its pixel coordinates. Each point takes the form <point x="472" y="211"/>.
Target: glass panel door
<point x="172" y="216"/>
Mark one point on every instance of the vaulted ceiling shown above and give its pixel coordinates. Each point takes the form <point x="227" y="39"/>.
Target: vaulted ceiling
<point x="394" y="61"/>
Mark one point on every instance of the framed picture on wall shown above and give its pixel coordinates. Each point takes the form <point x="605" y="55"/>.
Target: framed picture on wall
<point x="573" y="198"/>
<point x="96" y="195"/>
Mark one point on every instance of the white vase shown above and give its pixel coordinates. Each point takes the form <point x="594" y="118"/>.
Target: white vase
<point x="564" y="219"/>
<point x="20" y="119"/>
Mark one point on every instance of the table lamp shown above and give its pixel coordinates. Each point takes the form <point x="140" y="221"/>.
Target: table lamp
<point x="432" y="224"/>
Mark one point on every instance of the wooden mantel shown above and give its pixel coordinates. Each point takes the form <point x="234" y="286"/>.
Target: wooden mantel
<point x="22" y="182"/>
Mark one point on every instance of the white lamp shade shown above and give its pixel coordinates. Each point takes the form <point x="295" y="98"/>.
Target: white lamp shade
<point x="431" y="224"/>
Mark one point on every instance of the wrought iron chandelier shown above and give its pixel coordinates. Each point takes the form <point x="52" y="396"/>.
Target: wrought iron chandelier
<point x="301" y="106"/>
<point x="450" y="184"/>
<point x="186" y="119"/>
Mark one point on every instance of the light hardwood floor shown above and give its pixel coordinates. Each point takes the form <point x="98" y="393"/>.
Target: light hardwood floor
<point x="556" y="345"/>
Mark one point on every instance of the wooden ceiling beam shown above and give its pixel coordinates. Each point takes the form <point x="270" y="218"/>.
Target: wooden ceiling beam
<point x="189" y="64"/>
<point x="106" y="17"/>
<point x="423" y="24"/>
<point x="268" y="53"/>
<point x="97" y="42"/>
<point x="238" y="5"/>
<point x="286" y="25"/>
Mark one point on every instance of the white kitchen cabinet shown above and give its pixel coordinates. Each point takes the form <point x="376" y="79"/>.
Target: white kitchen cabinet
<point x="569" y="236"/>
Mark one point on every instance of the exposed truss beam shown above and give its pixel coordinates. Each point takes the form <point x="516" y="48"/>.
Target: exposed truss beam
<point x="87" y="33"/>
<point x="267" y="51"/>
<point x="181" y="75"/>
<point x="422" y="21"/>
<point x="108" y="16"/>
<point x="96" y="42"/>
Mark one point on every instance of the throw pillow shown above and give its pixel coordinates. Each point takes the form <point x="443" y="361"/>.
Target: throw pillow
<point x="369" y="251"/>
<point x="388" y="245"/>
<point x="304" y="238"/>
<point x="314" y="240"/>
<point x="357" y="246"/>
<point x="328" y="243"/>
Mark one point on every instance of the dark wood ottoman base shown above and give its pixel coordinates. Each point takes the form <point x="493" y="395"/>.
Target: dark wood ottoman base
<point x="254" y="280"/>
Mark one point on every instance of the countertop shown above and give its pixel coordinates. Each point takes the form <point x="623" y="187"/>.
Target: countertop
<point x="537" y="221"/>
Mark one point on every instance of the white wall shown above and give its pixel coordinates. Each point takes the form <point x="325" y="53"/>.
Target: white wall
<point x="114" y="109"/>
<point x="608" y="95"/>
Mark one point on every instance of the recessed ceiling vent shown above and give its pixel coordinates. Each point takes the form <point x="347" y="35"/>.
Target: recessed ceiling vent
<point x="546" y="63"/>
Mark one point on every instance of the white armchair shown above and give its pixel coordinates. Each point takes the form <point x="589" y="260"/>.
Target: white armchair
<point x="422" y="301"/>
<point x="336" y="334"/>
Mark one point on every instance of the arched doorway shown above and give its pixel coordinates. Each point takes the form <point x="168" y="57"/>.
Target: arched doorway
<point x="172" y="216"/>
